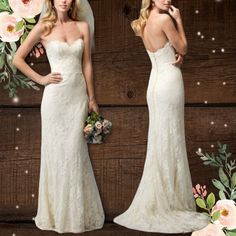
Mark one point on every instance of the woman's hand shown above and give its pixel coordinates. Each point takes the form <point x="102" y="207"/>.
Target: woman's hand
<point x="179" y="60"/>
<point x="93" y="106"/>
<point x="53" y="78"/>
<point x="175" y="13"/>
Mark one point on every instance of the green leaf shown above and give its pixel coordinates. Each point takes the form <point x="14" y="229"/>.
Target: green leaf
<point x="30" y="26"/>
<point x="233" y="196"/>
<point x="215" y="216"/>
<point x="30" y="20"/>
<point x="13" y="46"/>
<point x="223" y="177"/>
<point x="222" y="195"/>
<point x="224" y="147"/>
<point x="231" y="233"/>
<point x="201" y="203"/>
<point x="211" y="200"/>
<point x="233" y="180"/>
<point x="19" y="25"/>
<point x="207" y="162"/>
<point x="1" y="62"/>
<point x="3" y="6"/>
<point x="23" y="37"/>
<point x="218" y="185"/>
<point x="204" y="158"/>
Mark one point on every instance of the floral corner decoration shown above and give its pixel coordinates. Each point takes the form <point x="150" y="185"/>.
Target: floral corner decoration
<point x="17" y="18"/>
<point x="222" y="213"/>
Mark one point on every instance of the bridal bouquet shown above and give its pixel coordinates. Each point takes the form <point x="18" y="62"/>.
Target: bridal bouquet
<point x="96" y="128"/>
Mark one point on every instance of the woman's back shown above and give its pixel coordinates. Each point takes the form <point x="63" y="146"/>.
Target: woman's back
<point x="153" y="35"/>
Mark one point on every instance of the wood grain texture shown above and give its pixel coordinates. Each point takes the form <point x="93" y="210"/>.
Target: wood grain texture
<point x="26" y="229"/>
<point x="122" y="67"/>
<point x="118" y="163"/>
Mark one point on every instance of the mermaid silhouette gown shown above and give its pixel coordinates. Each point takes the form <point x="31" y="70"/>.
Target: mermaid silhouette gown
<point x="164" y="200"/>
<point x="68" y="198"/>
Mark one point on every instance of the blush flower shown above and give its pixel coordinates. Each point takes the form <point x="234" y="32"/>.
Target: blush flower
<point x="88" y="129"/>
<point x="209" y="230"/>
<point x="8" y="31"/>
<point x="26" y="8"/>
<point x="227" y="210"/>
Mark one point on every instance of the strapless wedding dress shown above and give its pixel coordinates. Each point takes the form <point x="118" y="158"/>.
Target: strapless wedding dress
<point x="68" y="198"/>
<point x="164" y="200"/>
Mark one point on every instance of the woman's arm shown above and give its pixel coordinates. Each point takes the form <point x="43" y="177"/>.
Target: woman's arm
<point x="19" y="59"/>
<point x="88" y="69"/>
<point x="23" y="51"/>
<point x="175" y="36"/>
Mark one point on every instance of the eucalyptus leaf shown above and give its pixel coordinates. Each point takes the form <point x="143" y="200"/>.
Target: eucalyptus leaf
<point x="1" y="62"/>
<point x="233" y="196"/>
<point x="223" y="177"/>
<point x="230" y="233"/>
<point x="222" y="195"/>
<point x="3" y="6"/>
<point x="13" y="46"/>
<point x="218" y="185"/>
<point x="233" y="180"/>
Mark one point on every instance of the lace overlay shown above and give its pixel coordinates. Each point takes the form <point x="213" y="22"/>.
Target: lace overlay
<point x="68" y="199"/>
<point x="164" y="201"/>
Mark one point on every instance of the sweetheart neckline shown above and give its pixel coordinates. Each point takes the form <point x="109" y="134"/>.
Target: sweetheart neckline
<point x="63" y="42"/>
<point x="159" y="49"/>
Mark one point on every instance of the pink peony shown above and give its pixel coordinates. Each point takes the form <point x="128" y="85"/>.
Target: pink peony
<point x="8" y="31"/>
<point x="227" y="210"/>
<point x="209" y="230"/>
<point x="26" y="8"/>
<point x="88" y="129"/>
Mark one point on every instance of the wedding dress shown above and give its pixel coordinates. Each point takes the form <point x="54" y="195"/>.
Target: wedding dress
<point x="68" y="199"/>
<point x="164" y="200"/>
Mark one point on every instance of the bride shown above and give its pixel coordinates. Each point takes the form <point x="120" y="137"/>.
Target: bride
<point x="164" y="201"/>
<point x="68" y="198"/>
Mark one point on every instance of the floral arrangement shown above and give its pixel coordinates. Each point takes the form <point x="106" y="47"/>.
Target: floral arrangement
<point x="17" y="18"/>
<point x="96" y="128"/>
<point x="223" y="212"/>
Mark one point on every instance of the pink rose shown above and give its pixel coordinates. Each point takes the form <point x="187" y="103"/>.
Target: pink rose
<point x="98" y="125"/>
<point x="8" y="31"/>
<point x="26" y="8"/>
<point x="227" y="210"/>
<point x="209" y="230"/>
<point x="88" y="129"/>
<point x="105" y="124"/>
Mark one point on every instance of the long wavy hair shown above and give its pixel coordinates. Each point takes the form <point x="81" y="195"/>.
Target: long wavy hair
<point x="50" y="17"/>
<point x="139" y="24"/>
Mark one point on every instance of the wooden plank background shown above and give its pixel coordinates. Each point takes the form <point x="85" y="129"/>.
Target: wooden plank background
<point x="121" y="69"/>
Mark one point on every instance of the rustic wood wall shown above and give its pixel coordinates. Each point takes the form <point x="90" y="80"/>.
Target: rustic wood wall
<point x="121" y="68"/>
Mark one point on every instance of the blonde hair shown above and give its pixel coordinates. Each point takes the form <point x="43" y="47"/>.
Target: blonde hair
<point x="139" y="24"/>
<point x="50" y="17"/>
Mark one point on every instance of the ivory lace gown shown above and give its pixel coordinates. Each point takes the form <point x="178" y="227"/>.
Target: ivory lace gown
<point x="164" y="201"/>
<point x="68" y="199"/>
